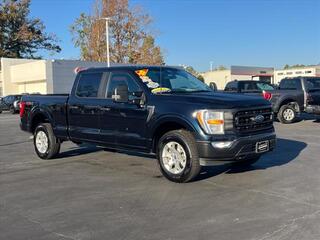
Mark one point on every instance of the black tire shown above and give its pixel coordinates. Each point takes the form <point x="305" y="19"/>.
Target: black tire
<point x="12" y="110"/>
<point x="282" y="114"/>
<point x="0" y="111"/>
<point x="247" y="162"/>
<point x="192" y="165"/>
<point x="53" y="143"/>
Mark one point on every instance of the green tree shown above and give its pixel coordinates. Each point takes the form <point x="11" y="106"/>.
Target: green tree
<point x="191" y="70"/>
<point x="201" y="78"/>
<point x="220" y="68"/>
<point x="20" y="35"/>
<point x="293" y="66"/>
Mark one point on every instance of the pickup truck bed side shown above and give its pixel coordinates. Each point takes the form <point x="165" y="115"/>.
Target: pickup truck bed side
<point x="47" y="108"/>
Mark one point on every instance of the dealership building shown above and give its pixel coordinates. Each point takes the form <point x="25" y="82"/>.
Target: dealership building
<point x="222" y="77"/>
<point x="39" y="76"/>
<point x="310" y="71"/>
<point x="265" y="74"/>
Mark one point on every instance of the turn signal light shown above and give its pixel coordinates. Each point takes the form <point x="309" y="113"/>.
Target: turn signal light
<point x="215" y="121"/>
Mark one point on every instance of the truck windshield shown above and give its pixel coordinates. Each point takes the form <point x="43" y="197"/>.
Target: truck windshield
<point x="313" y="84"/>
<point x="171" y="80"/>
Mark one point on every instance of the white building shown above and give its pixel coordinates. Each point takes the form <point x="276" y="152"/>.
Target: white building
<point x="310" y="71"/>
<point x="222" y="77"/>
<point x="41" y="76"/>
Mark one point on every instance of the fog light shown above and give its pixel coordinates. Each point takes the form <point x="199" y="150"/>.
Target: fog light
<point x="222" y="144"/>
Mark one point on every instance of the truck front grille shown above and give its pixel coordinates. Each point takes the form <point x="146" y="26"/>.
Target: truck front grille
<point x="253" y="120"/>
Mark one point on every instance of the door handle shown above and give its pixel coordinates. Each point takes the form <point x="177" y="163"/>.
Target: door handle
<point x="73" y="107"/>
<point x="93" y="107"/>
<point x="105" y="108"/>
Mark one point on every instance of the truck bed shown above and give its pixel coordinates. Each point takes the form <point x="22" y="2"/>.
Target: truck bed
<point x="53" y="108"/>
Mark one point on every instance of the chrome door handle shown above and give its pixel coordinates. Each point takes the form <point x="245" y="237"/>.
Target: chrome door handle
<point x="91" y="107"/>
<point x="73" y="107"/>
<point x="105" y="108"/>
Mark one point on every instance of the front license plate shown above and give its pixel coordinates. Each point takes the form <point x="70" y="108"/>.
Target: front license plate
<point x="262" y="146"/>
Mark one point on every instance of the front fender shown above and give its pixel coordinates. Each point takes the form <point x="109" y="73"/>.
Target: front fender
<point x="191" y="125"/>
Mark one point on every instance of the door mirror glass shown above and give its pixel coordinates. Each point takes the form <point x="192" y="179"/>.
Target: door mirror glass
<point x="121" y="93"/>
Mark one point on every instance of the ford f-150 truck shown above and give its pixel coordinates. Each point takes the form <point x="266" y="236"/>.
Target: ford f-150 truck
<point x="161" y="110"/>
<point x="293" y="96"/>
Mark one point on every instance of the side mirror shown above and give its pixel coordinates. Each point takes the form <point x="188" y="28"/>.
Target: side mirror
<point x="137" y="98"/>
<point x="213" y="86"/>
<point x="121" y="94"/>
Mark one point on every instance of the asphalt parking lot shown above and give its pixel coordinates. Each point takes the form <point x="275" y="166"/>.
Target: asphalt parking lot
<point x="89" y="193"/>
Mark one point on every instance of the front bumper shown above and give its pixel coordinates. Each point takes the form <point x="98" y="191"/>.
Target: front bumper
<point x="313" y="109"/>
<point x="242" y="148"/>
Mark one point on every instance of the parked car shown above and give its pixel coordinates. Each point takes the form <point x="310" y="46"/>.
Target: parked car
<point x="161" y="110"/>
<point x="250" y="87"/>
<point x="293" y="96"/>
<point x="7" y="103"/>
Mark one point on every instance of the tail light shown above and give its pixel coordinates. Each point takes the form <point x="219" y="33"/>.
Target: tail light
<point x="266" y="95"/>
<point x="22" y="106"/>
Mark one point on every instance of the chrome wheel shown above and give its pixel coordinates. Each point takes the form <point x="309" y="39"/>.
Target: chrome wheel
<point x="288" y="114"/>
<point x="174" y="157"/>
<point x="42" y="142"/>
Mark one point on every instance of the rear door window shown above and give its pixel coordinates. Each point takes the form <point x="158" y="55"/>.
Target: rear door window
<point x="290" y="84"/>
<point x="89" y="85"/>
<point x="313" y="83"/>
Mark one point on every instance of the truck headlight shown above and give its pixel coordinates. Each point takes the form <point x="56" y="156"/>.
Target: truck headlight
<point x="212" y="122"/>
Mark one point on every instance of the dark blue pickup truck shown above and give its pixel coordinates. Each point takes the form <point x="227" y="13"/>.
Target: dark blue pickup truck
<point x="161" y="110"/>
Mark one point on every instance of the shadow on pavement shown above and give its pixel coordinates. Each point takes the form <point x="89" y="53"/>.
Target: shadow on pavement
<point x="306" y="116"/>
<point x="79" y="150"/>
<point x="285" y="152"/>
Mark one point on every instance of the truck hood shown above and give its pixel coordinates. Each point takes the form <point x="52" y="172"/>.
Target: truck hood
<point x="219" y="100"/>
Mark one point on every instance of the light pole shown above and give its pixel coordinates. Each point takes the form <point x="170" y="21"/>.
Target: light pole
<point x="107" y="39"/>
<point x="211" y="66"/>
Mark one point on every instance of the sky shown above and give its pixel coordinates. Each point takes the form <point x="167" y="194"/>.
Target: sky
<point x="267" y="33"/>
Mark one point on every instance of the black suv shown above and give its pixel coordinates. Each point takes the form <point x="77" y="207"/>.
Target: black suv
<point x="7" y="103"/>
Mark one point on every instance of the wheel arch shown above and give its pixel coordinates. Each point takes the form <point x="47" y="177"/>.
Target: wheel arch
<point x="291" y="101"/>
<point x="39" y="117"/>
<point x="169" y="124"/>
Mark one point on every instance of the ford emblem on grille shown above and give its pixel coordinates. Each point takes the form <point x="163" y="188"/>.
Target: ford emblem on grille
<point x="257" y="119"/>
